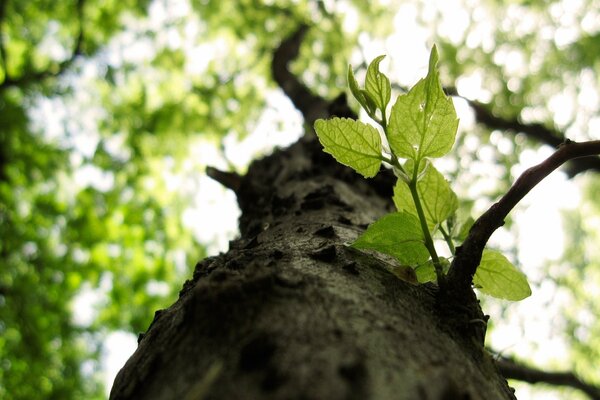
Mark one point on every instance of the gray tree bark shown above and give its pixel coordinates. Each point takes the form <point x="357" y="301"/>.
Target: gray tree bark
<point x="291" y="312"/>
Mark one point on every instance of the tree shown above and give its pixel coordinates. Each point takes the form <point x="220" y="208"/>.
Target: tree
<point x="291" y="312"/>
<point x="99" y="109"/>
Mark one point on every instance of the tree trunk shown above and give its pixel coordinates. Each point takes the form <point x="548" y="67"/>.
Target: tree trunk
<point x="292" y="312"/>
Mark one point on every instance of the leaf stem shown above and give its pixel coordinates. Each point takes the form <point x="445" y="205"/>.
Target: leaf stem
<point x="412" y="185"/>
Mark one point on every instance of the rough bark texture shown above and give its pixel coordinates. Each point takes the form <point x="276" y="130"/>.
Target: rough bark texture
<point x="291" y="312"/>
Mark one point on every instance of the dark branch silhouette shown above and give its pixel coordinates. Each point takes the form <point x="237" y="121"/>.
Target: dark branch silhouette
<point x="512" y="369"/>
<point x="535" y="131"/>
<point x="54" y="70"/>
<point x="231" y="180"/>
<point x="468" y="255"/>
<point x="310" y="105"/>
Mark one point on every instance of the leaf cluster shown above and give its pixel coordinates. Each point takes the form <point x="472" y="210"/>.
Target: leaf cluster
<point x="421" y="125"/>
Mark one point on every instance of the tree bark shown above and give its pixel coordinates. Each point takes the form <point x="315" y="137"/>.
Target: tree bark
<point x="292" y="312"/>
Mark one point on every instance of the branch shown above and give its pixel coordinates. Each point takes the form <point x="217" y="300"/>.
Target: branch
<point x="310" y="105"/>
<point x="468" y="255"/>
<point x="231" y="180"/>
<point x="511" y="369"/>
<point x="535" y="131"/>
<point x="53" y="71"/>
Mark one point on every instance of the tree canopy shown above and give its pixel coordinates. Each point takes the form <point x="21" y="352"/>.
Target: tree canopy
<point x="111" y="110"/>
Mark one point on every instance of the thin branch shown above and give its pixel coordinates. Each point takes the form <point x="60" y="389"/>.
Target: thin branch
<point x="56" y="70"/>
<point x="534" y="131"/>
<point x="468" y="255"/>
<point x="231" y="180"/>
<point x="512" y="369"/>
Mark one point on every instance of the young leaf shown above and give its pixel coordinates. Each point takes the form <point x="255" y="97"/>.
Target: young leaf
<point x="351" y="143"/>
<point x="398" y="235"/>
<point x="404" y="272"/>
<point x="437" y="198"/>
<point x="378" y="85"/>
<point x="369" y="105"/>
<point x="426" y="272"/>
<point x="358" y="94"/>
<point x="423" y="121"/>
<point x="497" y="277"/>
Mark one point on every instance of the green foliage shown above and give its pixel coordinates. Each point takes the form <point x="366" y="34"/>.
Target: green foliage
<point x="438" y="199"/>
<point x="426" y="271"/>
<point x="397" y="234"/>
<point x="423" y="124"/>
<point x="378" y="85"/>
<point x="498" y="277"/>
<point x="352" y="143"/>
<point x="154" y="97"/>
<point x="139" y="90"/>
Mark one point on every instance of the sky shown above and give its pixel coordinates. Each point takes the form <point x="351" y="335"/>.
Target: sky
<point x="525" y="329"/>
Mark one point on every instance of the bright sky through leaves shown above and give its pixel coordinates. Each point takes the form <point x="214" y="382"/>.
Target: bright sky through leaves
<point x="497" y="276"/>
<point x="157" y="69"/>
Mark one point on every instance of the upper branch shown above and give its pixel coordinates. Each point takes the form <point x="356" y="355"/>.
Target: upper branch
<point x="513" y="370"/>
<point x="53" y="71"/>
<point x="535" y="131"/>
<point x="468" y="255"/>
<point x="310" y="105"/>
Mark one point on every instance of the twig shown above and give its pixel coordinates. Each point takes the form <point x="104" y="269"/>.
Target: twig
<point x="468" y="255"/>
<point x="534" y="131"/>
<point x="512" y="369"/>
<point x="230" y="180"/>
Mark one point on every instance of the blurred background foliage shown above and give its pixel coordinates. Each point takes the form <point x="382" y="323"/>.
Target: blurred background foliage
<point x="110" y="110"/>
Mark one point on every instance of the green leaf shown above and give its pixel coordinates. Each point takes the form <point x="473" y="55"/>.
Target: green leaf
<point x="369" y="104"/>
<point x="423" y="121"/>
<point x="398" y="235"/>
<point x="351" y="143"/>
<point x="498" y="277"/>
<point x="437" y="198"/>
<point x="378" y="85"/>
<point x="355" y="89"/>
<point x="404" y="272"/>
<point x="426" y="272"/>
